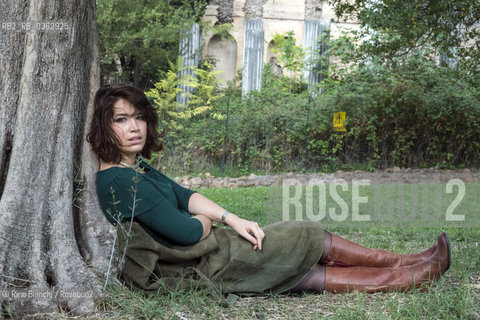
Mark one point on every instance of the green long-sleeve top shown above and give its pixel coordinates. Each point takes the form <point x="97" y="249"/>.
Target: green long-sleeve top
<point x="161" y="205"/>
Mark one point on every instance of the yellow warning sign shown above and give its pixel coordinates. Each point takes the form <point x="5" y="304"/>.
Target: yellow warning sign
<point x="339" y="121"/>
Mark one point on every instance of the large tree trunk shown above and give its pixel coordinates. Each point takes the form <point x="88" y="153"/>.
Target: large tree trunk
<point x="48" y="78"/>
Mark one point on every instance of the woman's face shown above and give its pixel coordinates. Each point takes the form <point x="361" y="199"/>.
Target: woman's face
<point x="130" y="127"/>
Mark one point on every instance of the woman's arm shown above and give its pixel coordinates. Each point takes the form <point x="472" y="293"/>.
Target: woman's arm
<point x="199" y="205"/>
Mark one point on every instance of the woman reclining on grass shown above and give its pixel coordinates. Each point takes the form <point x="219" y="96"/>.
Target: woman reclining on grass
<point x="173" y="238"/>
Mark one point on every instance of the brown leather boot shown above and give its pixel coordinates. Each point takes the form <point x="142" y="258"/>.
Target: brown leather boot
<point x="346" y="253"/>
<point x="371" y="279"/>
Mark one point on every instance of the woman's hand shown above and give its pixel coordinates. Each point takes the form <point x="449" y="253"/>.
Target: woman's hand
<point x="201" y="206"/>
<point x="247" y="229"/>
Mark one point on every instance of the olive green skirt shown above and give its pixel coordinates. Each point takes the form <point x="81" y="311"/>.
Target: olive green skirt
<point x="225" y="260"/>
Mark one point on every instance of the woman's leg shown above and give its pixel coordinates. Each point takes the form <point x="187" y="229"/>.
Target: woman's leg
<point x="314" y="281"/>
<point x="342" y="252"/>
<point x="373" y="279"/>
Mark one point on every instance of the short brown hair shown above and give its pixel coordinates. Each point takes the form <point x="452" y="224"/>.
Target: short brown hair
<point x="101" y="136"/>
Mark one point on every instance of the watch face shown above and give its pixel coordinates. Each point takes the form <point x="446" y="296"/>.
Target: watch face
<point x="224" y="215"/>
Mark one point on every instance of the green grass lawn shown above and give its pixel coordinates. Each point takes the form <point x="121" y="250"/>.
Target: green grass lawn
<point x="454" y="296"/>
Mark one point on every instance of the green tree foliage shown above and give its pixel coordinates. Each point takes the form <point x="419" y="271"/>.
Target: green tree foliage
<point x="205" y="91"/>
<point x="289" y="55"/>
<point x="206" y="84"/>
<point x="142" y="35"/>
<point x="164" y="95"/>
<point x="180" y="122"/>
<point x="411" y="114"/>
<point x="394" y="28"/>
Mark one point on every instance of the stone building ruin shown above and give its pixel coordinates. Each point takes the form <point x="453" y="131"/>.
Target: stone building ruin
<point x="254" y="23"/>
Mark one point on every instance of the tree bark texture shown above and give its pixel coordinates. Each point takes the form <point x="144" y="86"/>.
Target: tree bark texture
<point x="53" y="236"/>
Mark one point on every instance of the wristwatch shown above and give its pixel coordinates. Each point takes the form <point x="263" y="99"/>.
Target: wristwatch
<point x="224" y="215"/>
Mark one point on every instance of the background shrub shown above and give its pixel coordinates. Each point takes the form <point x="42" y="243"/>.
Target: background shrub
<point x="411" y="114"/>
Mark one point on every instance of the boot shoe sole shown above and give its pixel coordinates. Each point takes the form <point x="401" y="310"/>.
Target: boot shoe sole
<point x="449" y="254"/>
